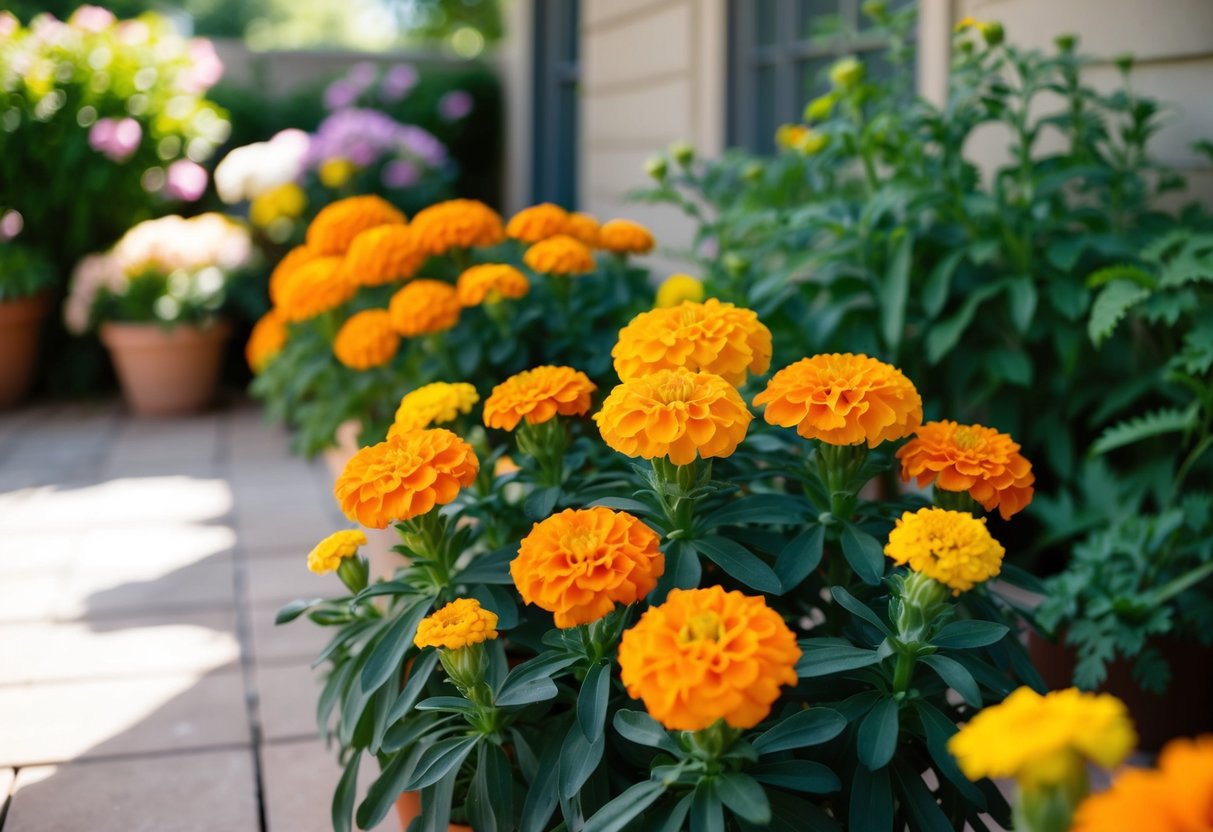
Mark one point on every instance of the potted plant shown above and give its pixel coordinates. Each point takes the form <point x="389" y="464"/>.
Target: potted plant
<point x="155" y="299"/>
<point x="26" y="279"/>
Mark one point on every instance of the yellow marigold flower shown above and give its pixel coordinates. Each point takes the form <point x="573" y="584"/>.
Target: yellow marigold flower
<point x="290" y="261"/>
<point x="789" y="135"/>
<point x="530" y="225"/>
<point x="1175" y="797"/>
<point x="367" y="339"/>
<point x="971" y="458"/>
<point x="538" y="395"/>
<point x="625" y="237"/>
<point x="965" y="22"/>
<point x="424" y="307"/>
<point x="458" y="223"/>
<point x="679" y="287"/>
<point x="285" y="201"/>
<point x="433" y="404"/>
<point x="383" y="254"/>
<point x="313" y="288"/>
<point x="265" y="341"/>
<point x="335" y="172"/>
<point x="459" y="624"/>
<point x="711" y="336"/>
<point x="405" y="477"/>
<point x="843" y="400"/>
<point x="579" y="564"/>
<point x="675" y="413"/>
<point x="338" y="223"/>
<point x="846" y="73"/>
<point x="1045" y="740"/>
<point x="952" y="547"/>
<point x="338" y="546"/>
<point x="489" y="283"/>
<point x="707" y="654"/>
<point x="559" y="255"/>
<point x="582" y="227"/>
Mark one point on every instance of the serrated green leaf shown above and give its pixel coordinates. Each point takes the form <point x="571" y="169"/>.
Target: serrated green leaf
<point x="1110" y="307"/>
<point x="1157" y="423"/>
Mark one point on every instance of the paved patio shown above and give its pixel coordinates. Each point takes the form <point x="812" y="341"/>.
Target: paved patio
<point x="143" y="685"/>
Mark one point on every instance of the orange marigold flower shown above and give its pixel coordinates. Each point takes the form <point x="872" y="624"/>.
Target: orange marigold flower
<point x="405" y="477"/>
<point x="459" y="624"/>
<point x="707" y="654"/>
<point x="290" y="261"/>
<point x="383" y="254"/>
<point x="433" y="404"/>
<point x="424" y="307"/>
<point x="625" y="237"/>
<point x="338" y="223"/>
<point x="560" y="255"/>
<point x="367" y="339"/>
<point x="716" y="337"/>
<point x="843" y="400"/>
<point x="675" y="413"/>
<point x="458" y="223"/>
<point x="579" y="564"/>
<point x="1175" y="797"/>
<point x="328" y="553"/>
<point x="582" y="227"/>
<point x="266" y="340"/>
<point x="971" y="458"/>
<point x="314" y="287"/>
<point x="538" y="395"/>
<point x="489" y="283"/>
<point x="530" y="225"/>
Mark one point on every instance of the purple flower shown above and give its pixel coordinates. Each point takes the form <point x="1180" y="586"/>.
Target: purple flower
<point x="362" y="74"/>
<point x="340" y="94"/>
<point x="398" y="82"/>
<point x="366" y="136"/>
<point x="186" y="180"/>
<point x="400" y="174"/>
<point x="455" y="105"/>
<point x="116" y="138"/>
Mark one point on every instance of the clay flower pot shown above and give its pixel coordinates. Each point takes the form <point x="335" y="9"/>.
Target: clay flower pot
<point x="1183" y="711"/>
<point x="20" y="328"/>
<point x="166" y="372"/>
<point x="408" y="806"/>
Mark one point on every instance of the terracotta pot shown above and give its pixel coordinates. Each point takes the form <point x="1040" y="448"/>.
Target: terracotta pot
<point x="166" y="372"/>
<point x="20" y="330"/>
<point x="1185" y="710"/>
<point x="408" y="806"/>
<point x="379" y="542"/>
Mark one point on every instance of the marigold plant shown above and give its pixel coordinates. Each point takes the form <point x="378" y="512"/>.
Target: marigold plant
<point x="712" y="336"/>
<point x="459" y="624"/>
<point x="313" y="288"/>
<point x="330" y="552"/>
<point x="339" y="223"/>
<point x="538" y="395"/>
<point x="367" y="339"/>
<point x="458" y="224"/>
<point x="677" y="414"/>
<point x="625" y="237"/>
<point x="491" y="282"/>
<point x="561" y="255"/>
<point x="383" y="254"/>
<point x="538" y="222"/>
<point x="842" y="400"/>
<point x="579" y="564"/>
<point x="707" y="655"/>
<point x="980" y="460"/>
<point x="405" y="476"/>
<point x="425" y="307"/>
<point x="433" y="404"/>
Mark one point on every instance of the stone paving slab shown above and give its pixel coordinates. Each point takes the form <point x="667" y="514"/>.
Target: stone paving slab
<point x="296" y="642"/>
<point x="286" y="701"/>
<point x="56" y="722"/>
<point x="275" y="580"/>
<point x="299" y="778"/>
<point x="203" y="792"/>
<point x="126" y="501"/>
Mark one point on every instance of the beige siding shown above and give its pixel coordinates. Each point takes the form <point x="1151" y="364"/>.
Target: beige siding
<point x="1172" y="41"/>
<point x="652" y="72"/>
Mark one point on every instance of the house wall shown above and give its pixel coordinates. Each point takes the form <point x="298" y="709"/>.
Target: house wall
<point x="652" y="72"/>
<point x="1172" y="41"/>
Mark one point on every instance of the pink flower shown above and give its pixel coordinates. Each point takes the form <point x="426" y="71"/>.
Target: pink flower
<point x="205" y="70"/>
<point x="185" y="180"/>
<point x="8" y="24"/>
<point x="455" y="105"/>
<point x="398" y="82"/>
<point x="91" y="19"/>
<point x="400" y="173"/>
<point x="116" y="138"/>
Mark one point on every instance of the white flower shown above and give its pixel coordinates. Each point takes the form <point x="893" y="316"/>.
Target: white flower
<point x="251" y="170"/>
